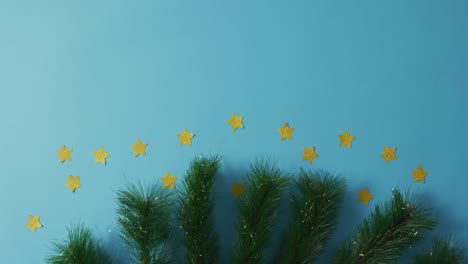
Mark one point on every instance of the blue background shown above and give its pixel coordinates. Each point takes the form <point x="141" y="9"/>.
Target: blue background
<point x="92" y="73"/>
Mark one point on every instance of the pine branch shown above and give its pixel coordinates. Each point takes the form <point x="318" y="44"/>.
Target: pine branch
<point x="390" y="228"/>
<point x="80" y="247"/>
<point x="443" y="251"/>
<point x="258" y="209"/>
<point x="197" y="201"/>
<point x="314" y="215"/>
<point x="145" y="220"/>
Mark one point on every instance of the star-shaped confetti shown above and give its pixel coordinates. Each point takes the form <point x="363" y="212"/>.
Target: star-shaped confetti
<point x="100" y="155"/>
<point x="139" y="148"/>
<point x="419" y="174"/>
<point x="168" y="180"/>
<point x="33" y="222"/>
<point x="285" y="131"/>
<point x="345" y="139"/>
<point x="73" y="183"/>
<point x="364" y="196"/>
<point x="309" y="154"/>
<point x="185" y="138"/>
<point x="389" y="154"/>
<point x="237" y="190"/>
<point x="64" y="154"/>
<point x="236" y="122"/>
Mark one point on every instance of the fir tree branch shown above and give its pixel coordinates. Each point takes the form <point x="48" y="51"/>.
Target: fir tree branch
<point x="258" y="209"/>
<point x="314" y="214"/>
<point x="80" y="247"/>
<point x="390" y="228"/>
<point x="145" y="220"/>
<point x="197" y="201"/>
<point x="443" y="251"/>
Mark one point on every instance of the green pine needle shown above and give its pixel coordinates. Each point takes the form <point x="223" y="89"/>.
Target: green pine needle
<point x="145" y="219"/>
<point x="390" y="228"/>
<point x="80" y="247"/>
<point x="258" y="209"/>
<point x="314" y="215"/>
<point x="197" y="201"/>
<point x="443" y="251"/>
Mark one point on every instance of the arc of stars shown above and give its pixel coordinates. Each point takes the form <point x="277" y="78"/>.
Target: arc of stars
<point x="309" y="154"/>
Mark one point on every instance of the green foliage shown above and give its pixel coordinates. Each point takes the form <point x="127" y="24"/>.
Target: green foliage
<point x="80" y="247"/>
<point x="145" y="220"/>
<point x="258" y="209"/>
<point x="443" y="251"/>
<point x="314" y="215"/>
<point x="388" y="230"/>
<point x="197" y="201"/>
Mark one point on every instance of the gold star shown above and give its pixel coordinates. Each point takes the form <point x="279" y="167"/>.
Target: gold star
<point x="346" y="139"/>
<point x="73" y="183"/>
<point x="419" y="174"/>
<point x="168" y="180"/>
<point x="139" y="148"/>
<point x="236" y="122"/>
<point x="64" y="154"/>
<point x="389" y="154"/>
<point x="100" y="155"/>
<point x="285" y="131"/>
<point x="364" y="196"/>
<point x="185" y="137"/>
<point x="237" y="190"/>
<point x="309" y="154"/>
<point x="33" y="222"/>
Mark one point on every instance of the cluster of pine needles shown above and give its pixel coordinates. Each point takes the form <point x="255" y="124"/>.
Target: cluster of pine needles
<point x="146" y="220"/>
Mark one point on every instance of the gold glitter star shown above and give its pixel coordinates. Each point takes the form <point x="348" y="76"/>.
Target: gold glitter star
<point x="364" y="196"/>
<point x="309" y="154"/>
<point x="185" y="137"/>
<point x="33" y="222"/>
<point x="168" y="180"/>
<point x="237" y="190"/>
<point x="285" y="131"/>
<point x="419" y="174"/>
<point x="389" y="154"/>
<point x="139" y="148"/>
<point x="100" y="155"/>
<point x="236" y="122"/>
<point x="73" y="183"/>
<point x="345" y="139"/>
<point x="64" y="154"/>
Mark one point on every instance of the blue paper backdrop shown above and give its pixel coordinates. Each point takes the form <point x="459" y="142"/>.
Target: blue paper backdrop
<point x="92" y="73"/>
